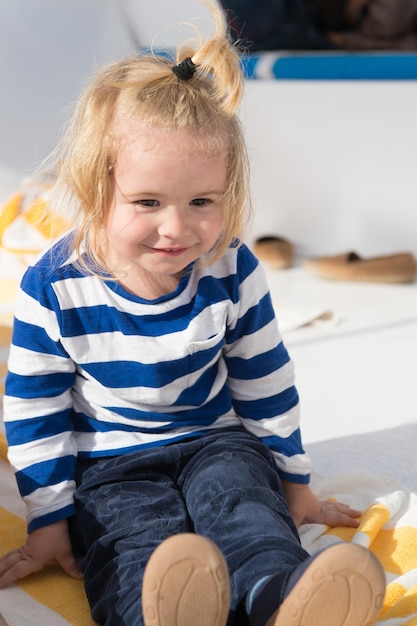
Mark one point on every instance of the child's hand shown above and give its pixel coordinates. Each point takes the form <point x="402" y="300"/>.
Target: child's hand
<point x="43" y="546"/>
<point x="306" y="508"/>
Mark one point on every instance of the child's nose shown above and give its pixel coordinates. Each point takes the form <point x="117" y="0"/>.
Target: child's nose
<point x="175" y="223"/>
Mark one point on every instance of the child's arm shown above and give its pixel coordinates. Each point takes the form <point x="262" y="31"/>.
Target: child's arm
<point x="38" y="405"/>
<point x="306" y="508"/>
<point x="261" y="382"/>
<point x="43" y="546"/>
<point x="261" y="373"/>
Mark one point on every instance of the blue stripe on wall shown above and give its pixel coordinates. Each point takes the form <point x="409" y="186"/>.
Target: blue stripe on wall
<point x="332" y="66"/>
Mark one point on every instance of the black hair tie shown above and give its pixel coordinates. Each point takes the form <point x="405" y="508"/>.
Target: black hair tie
<point x="185" y="69"/>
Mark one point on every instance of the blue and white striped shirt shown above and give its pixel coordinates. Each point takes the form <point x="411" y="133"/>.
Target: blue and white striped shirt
<point x="95" y="371"/>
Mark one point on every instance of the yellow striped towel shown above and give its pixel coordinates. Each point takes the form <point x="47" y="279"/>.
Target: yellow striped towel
<point x="388" y="527"/>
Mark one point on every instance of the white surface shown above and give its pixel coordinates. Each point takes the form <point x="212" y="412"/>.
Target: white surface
<point x="334" y="163"/>
<point x="389" y="453"/>
<point x="357" y="375"/>
<point x="49" y="49"/>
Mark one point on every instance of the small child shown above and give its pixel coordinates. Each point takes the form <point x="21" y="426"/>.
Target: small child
<point x="150" y="406"/>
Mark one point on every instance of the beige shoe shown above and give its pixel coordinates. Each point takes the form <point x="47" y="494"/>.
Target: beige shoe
<point x="343" y="586"/>
<point x="278" y="253"/>
<point x="186" y="583"/>
<point x="396" y="268"/>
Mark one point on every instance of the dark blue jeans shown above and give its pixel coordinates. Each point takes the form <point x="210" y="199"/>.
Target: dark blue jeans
<point x="223" y="485"/>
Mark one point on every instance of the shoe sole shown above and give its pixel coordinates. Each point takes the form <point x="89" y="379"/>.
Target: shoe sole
<point x="344" y="586"/>
<point x="186" y="583"/>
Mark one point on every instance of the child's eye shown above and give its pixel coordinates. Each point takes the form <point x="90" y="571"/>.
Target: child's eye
<point x="146" y="203"/>
<point x="201" y="202"/>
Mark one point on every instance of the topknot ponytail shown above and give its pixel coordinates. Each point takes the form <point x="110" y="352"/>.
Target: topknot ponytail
<point x="218" y="61"/>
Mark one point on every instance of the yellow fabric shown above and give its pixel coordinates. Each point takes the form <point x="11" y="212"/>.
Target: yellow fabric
<point x="26" y="222"/>
<point x="9" y="212"/>
<point x="51" y="226"/>
<point x="3" y="447"/>
<point x="52" y="587"/>
<point x="397" y="551"/>
<point x="388" y="527"/>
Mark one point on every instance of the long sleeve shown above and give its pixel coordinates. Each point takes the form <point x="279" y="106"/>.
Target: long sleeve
<point x="38" y="410"/>
<point x="261" y="374"/>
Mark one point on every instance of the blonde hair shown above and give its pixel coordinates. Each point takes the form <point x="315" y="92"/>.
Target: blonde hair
<point x="146" y="88"/>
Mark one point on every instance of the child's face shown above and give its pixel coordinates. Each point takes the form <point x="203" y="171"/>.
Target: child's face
<point x="168" y="203"/>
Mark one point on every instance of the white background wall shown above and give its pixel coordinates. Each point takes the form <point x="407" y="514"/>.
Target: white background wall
<point x="49" y="49"/>
<point x="333" y="162"/>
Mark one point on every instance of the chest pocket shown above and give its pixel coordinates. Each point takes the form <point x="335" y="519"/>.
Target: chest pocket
<point x="205" y="352"/>
<point x="206" y="345"/>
